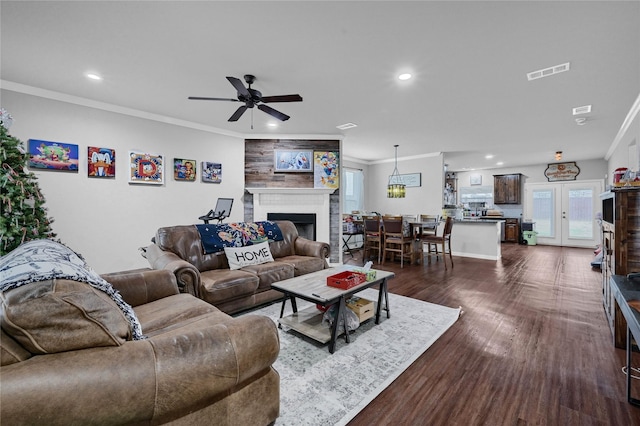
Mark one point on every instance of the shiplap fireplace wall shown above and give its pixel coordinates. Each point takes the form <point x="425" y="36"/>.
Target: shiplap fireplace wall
<point x="268" y="191"/>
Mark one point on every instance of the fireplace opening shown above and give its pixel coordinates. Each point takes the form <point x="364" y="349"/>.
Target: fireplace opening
<point x="305" y="222"/>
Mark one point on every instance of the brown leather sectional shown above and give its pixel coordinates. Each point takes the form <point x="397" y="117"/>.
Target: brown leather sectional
<point x="77" y="365"/>
<point x="207" y="276"/>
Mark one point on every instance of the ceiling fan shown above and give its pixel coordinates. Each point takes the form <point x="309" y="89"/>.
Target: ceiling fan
<point x="252" y="97"/>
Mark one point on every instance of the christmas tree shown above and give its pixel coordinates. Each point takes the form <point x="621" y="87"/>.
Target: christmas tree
<point x="23" y="215"/>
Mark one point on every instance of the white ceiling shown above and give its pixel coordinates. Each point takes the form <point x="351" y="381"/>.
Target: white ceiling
<point x="469" y="95"/>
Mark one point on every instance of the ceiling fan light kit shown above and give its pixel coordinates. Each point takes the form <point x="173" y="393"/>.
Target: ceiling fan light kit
<point x="252" y="97"/>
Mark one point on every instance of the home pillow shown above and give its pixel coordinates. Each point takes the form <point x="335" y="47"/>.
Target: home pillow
<point x="249" y="255"/>
<point x="60" y="315"/>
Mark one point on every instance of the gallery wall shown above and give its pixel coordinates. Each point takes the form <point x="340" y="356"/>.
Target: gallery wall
<point x="108" y="219"/>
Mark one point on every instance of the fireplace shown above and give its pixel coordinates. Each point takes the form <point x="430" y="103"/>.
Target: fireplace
<point x="299" y="201"/>
<point x="304" y="222"/>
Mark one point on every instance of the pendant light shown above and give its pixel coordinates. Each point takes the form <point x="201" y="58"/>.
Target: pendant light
<point x="396" y="188"/>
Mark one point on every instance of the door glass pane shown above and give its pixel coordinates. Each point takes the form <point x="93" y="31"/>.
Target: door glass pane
<point x="543" y="212"/>
<point x="580" y="213"/>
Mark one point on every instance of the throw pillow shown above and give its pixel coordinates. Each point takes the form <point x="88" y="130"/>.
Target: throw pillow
<point x="61" y="315"/>
<point x="44" y="260"/>
<point x="249" y="255"/>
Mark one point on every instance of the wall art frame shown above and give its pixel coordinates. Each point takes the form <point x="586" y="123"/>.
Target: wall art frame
<point x="211" y="172"/>
<point x="410" y="180"/>
<point x="146" y="168"/>
<point x="184" y="170"/>
<point x="293" y="161"/>
<point x="101" y="162"/>
<point x="326" y="169"/>
<point x="557" y="172"/>
<point x="48" y="155"/>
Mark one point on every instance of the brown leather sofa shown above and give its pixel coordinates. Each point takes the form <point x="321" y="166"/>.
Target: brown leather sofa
<point x="197" y="366"/>
<point x="207" y="276"/>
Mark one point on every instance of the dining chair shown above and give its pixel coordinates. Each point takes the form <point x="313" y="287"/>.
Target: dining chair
<point x="444" y="240"/>
<point x="430" y="224"/>
<point x="372" y="237"/>
<point x="397" y="239"/>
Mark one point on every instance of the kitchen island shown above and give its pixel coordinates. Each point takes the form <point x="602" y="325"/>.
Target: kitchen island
<point x="479" y="238"/>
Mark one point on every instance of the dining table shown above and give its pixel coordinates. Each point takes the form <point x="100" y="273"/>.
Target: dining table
<point x="418" y="229"/>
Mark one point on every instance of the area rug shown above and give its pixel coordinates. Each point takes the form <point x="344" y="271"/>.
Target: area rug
<point x="318" y="388"/>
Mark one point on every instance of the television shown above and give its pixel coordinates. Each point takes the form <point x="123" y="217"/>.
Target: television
<point x="608" y="207"/>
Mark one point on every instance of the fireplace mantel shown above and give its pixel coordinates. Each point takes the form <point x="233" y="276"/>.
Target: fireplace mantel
<point x="290" y="191"/>
<point x="295" y="200"/>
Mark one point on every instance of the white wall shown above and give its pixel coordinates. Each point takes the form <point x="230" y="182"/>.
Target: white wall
<point x="107" y="220"/>
<point x="625" y="150"/>
<point x="589" y="170"/>
<point x="426" y="199"/>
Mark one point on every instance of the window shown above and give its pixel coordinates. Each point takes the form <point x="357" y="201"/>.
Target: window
<point x="353" y="198"/>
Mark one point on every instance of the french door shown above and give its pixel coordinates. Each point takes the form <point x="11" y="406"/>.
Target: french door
<point x="564" y="213"/>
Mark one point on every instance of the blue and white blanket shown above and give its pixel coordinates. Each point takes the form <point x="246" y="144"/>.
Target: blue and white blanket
<point x="42" y="260"/>
<point x="216" y="237"/>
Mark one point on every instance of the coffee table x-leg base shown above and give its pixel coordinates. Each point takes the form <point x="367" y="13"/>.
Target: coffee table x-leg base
<point x="383" y="300"/>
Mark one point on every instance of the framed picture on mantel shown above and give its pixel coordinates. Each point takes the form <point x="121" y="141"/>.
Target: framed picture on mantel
<point x="293" y="161"/>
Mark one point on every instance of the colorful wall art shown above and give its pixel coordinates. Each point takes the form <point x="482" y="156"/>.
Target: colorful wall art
<point x="211" y="172"/>
<point x="146" y="168"/>
<point x="293" y="161"/>
<point x="53" y="155"/>
<point x="326" y="173"/>
<point x="184" y="169"/>
<point x="101" y="162"/>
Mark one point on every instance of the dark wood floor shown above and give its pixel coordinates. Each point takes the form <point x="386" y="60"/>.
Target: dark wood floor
<point x="532" y="346"/>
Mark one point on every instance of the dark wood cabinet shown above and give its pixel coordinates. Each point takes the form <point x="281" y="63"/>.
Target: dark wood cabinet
<point x="511" y="230"/>
<point x="621" y="252"/>
<point x="506" y="188"/>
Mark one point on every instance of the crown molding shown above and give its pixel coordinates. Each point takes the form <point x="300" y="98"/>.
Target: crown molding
<point x="633" y="113"/>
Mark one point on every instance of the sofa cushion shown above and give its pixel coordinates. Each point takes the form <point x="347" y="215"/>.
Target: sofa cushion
<point x="221" y="285"/>
<point x="179" y="310"/>
<point x="62" y="315"/>
<point x="271" y="272"/>
<point x="10" y="351"/>
<point x="303" y="264"/>
<point x="250" y="255"/>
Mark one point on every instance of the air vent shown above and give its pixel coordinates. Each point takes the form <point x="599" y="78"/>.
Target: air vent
<point x="347" y="126"/>
<point x="582" y="110"/>
<point x="534" y="75"/>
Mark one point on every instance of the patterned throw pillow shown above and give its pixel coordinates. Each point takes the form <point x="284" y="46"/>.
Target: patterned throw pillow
<point x="249" y="255"/>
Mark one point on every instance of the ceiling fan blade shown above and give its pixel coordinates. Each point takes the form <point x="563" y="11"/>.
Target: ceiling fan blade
<point x="282" y="98"/>
<point x="272" y="112"/>
<point x="238" y="113"/>
<point x="198" y="98"/>
<point x="239" y="87"/>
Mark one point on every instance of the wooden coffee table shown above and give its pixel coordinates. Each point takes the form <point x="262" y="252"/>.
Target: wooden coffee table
<point x="313" y="288"/>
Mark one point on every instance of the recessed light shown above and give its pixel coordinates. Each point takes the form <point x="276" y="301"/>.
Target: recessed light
<point x="488" y="156"/>
<point x="346" y="126"/>
<point x="499" y="163"/>
<point x="405" y="76"/>
<point x="272" y="124"/>
<point x="93" y="76"/>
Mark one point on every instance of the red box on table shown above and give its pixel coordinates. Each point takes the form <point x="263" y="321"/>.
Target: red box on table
<point x="346" y="279"/>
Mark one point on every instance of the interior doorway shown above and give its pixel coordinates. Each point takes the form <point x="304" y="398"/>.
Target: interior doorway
<point x="564" y="213"/>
